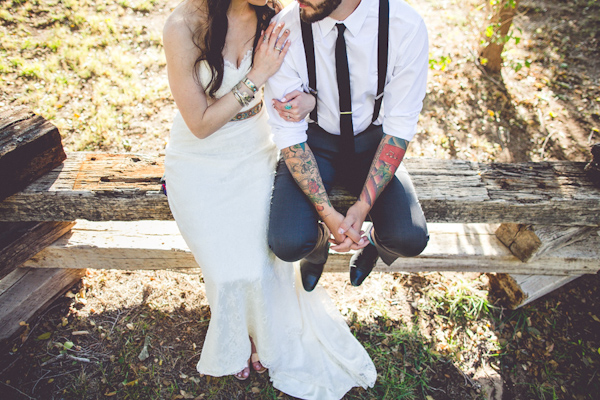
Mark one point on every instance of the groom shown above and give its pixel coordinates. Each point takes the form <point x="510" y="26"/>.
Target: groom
<point x="350" y="54"/>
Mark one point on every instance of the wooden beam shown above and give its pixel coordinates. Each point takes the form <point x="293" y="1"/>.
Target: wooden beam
<point x="30" y="147"/>
<point x="452" y="247"/>
<point x="24" y="293"/>
<point x="529" y="241"/>
<point x="21" y="240"/>
<point x="127" y="188"/>
<point x="515" y="290"/>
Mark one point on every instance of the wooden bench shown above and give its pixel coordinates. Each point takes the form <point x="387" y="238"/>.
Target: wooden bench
<point x="464" y="203"/>
<point x="482" y="217"/>
<point x="125" y="187"/>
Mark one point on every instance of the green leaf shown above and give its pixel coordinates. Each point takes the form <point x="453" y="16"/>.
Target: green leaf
<point x="533" y="331"/>
<point x="45" y="336"/>
<point x="68" y="345"/>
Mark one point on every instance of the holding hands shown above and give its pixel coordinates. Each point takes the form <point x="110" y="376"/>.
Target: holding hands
<point x="295" y="106"/>
<point x="346" y="231"/>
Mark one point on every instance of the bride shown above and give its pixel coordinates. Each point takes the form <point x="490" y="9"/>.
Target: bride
<point x="219" y="169"/>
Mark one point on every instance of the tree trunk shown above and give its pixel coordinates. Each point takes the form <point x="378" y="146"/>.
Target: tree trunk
<point x="500" y="20"/>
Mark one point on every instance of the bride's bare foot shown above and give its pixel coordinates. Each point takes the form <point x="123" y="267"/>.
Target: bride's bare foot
<point x="256" y="365"/>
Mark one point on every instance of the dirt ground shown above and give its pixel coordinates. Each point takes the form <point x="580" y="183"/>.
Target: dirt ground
<point x="549" y="110"/>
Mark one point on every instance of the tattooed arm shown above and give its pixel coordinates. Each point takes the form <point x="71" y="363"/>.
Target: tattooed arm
<point x="387" y="159"/>
<point x="301" y="163"/>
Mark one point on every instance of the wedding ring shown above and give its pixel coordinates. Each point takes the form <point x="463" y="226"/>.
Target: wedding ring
<point x="265" y="39"/>
<point x="289" y="116"/>
<point x="288" y="106"/>
<point x="278" y="49"/>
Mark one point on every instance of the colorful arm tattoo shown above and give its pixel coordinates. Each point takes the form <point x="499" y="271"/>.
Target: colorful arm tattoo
<point x="385" y="163"/>
<point x="301" y="162"/>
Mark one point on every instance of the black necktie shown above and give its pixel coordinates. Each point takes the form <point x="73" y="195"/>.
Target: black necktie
<point x="343" y="81"/>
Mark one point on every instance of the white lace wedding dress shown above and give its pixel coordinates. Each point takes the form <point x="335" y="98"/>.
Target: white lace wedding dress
<point x="219" y="190"/>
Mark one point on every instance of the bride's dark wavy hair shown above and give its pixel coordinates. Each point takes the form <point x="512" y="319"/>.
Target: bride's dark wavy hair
<point x="210" y="40"/>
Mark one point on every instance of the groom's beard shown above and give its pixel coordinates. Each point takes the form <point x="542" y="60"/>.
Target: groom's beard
<point x="316" y="13"/>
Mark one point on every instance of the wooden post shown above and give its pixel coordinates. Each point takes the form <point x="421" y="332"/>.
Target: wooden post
<point x="514" y="290"/>
<point x="592" y="169"/>
<point x="30" y="146"/>
<point x="25" y="292"/>
<point x="19" y="241"/>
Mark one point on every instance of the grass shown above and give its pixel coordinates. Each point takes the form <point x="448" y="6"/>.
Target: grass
<point x="460" y="299"/>
<point x="64" y="53"/>
<point x="403" y="360"/>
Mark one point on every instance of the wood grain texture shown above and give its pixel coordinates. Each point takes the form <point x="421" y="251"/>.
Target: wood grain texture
<point x="516" y="290"/>
<point x="30" y="147"/>
<point x="452" y="247"/>
<point x="26" y="292"/>
<point x="529" y="241"/>
<point x="127" y="188"/>
<point x="21" y="240"/>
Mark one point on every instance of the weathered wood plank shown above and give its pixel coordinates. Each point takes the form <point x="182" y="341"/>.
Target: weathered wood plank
<point x="158" y="245"/>
<point x="127" y="188"/>
<point x="29" y="292"/>
<point x="55" y="196"/>
<point x="529" y="241"/>
<point x="30" y="147"/>
<point x="21" y="240"/>
<point x="517" y="290"/>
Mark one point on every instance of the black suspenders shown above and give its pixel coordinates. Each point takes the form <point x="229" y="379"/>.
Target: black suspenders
<point x="309" y="51"/>
<point x="382" y="57"/>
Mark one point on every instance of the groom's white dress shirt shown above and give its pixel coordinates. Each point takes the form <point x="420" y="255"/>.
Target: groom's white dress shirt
<point x="406" y="77"/>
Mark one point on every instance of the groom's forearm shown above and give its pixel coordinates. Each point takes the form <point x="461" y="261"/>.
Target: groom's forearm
<point x="301" y="163"/>
<point x="387" y="159"/>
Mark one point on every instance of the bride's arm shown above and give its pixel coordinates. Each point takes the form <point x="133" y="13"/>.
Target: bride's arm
<point x="204" y="119"/>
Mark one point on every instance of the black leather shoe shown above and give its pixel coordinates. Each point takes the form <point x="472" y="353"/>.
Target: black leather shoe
<point x="311" y="266"/>
<point x="310" y="274"/>
<point x="362" y="263"/>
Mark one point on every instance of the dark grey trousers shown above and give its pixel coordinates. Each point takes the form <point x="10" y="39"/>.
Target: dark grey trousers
<point x="400" y="226"/>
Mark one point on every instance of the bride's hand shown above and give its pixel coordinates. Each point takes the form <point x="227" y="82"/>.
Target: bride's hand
<point x="295" y="106"/>
<point x="270" y="51"/>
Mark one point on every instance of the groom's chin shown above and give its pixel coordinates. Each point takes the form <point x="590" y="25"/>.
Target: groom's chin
<point x="310" y="16"/>
<point x="310" y="13"/>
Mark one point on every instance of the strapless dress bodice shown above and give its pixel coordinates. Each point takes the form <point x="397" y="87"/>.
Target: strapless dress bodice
<point x="231" y="76"/>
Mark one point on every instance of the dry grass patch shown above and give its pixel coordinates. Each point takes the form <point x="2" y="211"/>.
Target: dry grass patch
<point x="91" y="67"/>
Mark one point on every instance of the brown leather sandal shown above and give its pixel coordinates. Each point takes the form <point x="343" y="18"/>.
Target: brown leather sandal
<point x="256" y="365"/>
<point x="243" y="374"/>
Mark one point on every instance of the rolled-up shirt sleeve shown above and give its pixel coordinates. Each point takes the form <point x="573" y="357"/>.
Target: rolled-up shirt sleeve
<point x="284" y="81"/>
<point x="404" y="93"/>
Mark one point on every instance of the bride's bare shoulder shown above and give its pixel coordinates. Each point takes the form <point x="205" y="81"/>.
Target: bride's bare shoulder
<point x="187" y="19"/>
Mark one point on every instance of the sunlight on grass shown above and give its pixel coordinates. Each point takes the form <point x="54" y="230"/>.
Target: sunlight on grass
<point x="73" y="51"/>
<point x="460" y="300"/>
